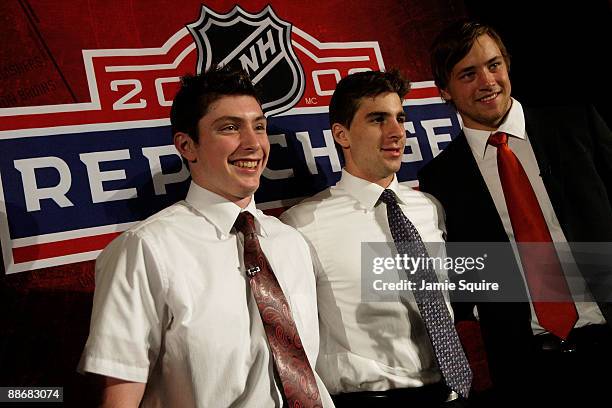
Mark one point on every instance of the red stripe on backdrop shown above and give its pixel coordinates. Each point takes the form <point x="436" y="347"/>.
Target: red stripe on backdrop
<point x="421" y="93"/>
<point x="79" y="245"/>
<point x="62" y="248"/>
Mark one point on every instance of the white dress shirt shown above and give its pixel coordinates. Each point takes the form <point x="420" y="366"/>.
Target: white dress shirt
<point x="365" y="346"/>
<point x="486" y="158"/>
<point x="173" y="307"/>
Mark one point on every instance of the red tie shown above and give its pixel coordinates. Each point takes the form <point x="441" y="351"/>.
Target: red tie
<point x="556" y="311"/>
<point x="299" y="384"/>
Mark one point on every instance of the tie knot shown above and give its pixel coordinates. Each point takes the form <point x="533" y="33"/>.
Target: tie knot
<point x="498" y="139"/>
<point x="245" y="223"/>
<point x="388" y="197"/>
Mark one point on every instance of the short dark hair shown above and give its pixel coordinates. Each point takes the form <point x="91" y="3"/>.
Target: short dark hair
<point x="349" y="91"/>
<point x="454" y="42"/>
<point x="198" y="92"/>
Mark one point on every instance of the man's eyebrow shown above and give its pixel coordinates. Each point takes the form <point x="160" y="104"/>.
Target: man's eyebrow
<point x="472" y="67"/>
<point x="377" y="113"/>
<point x="385" y="114"/>
<point x="228" y="118"/>
<point x="239" y="119"/>
<point x="466" y="69"/>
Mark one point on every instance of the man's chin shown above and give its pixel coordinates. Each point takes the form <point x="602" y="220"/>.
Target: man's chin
<point x="394" y="166"/>
<point x="246" y="191"/>
<point x="388" y="172"/>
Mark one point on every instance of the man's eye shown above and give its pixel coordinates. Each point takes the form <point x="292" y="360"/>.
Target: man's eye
<point x="229" y="128"/>
<point x="378" y="119"/>
<point x="467" y="76"/>
<point x="494" y="66"/>
<point x="401" y="119"/>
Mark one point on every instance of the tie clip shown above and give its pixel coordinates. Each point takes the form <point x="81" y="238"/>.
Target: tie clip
<point x="252" y="271"/>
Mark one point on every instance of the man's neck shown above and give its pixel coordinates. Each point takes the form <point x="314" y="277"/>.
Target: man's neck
<point x="383" y="182"/>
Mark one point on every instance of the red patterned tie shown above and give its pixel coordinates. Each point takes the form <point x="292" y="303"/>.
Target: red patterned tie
<point x="556" y="311"/>
<point x="296" y="375"/>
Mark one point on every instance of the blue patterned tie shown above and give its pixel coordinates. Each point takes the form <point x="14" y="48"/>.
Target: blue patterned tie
<point x="451" y="359"/>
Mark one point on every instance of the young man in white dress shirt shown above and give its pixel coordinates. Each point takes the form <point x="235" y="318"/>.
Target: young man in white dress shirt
<point x="175" y="322"/>
<point x="372" y="353"/>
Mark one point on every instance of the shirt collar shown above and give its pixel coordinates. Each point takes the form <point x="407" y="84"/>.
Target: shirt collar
<point x="366" y="192"/>
<point x="221" y="212"/>
<point x="513" y="126"/>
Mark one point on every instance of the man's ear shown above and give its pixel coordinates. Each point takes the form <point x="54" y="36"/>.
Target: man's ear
<point x="185" y="146"/>
<point x="340" y="134"/>
<point x="445" y="95"/>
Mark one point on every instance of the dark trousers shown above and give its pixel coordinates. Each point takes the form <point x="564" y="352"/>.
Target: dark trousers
<point x="428" y="396"/>
<point x="572" y="373"/>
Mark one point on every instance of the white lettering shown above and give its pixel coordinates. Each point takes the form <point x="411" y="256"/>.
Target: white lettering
<point x="270" y="174"/>
<point x="412" y="142"/>
<point x="122" y="103"/>
<point x="160" y="180"/>
<point x="159" y="90"/>
<point x="263" y="48"/>
<point x="317" y="84"/>
<point x="33" y="194"/>
<point x="310" y="153"/>
<point x="377" y="265"/>
<point x="97" y="176"/>
<point x="250" y="63"/>
<point x="433" y="138"/>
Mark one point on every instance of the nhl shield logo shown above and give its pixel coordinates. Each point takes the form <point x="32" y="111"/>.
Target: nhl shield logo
<point x="261" y="43"/>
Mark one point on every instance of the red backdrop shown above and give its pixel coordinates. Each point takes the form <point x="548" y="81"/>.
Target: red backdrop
<point x="45" y="312"/>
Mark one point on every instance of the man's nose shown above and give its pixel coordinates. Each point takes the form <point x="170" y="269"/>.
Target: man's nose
<point x="395" y="128"/>
<point x="487" y="78"/>
<point x="249" y="138"/>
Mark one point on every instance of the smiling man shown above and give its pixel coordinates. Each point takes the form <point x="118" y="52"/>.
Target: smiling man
<point x="178" y="317"/>
<point x="524" y="175"/>
<point x="373" y="354"/>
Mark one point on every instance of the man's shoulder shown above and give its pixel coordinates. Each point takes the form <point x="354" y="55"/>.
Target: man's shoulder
<point x="312" y="207"/>
<point x="408" y="193"/>
<point x="574" y="122"/>
<point x="445" y="159"/>
<point x="284" y="234"/>
<point x="555" y="109"/>
<point x="554" y="114"/>
<point x="276" y="228"/>
<point x="417" y="198"/>
<point x="162" y="219"/>
<point x="154" y="226"/>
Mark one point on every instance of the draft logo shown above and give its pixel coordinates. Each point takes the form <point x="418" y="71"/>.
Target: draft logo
<point x="74" y="176"/>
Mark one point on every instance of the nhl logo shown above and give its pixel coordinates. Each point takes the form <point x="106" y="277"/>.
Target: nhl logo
<point x="261" y="43"/>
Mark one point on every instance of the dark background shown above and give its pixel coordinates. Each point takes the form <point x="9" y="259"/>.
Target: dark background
<point x="560" y="50"/>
